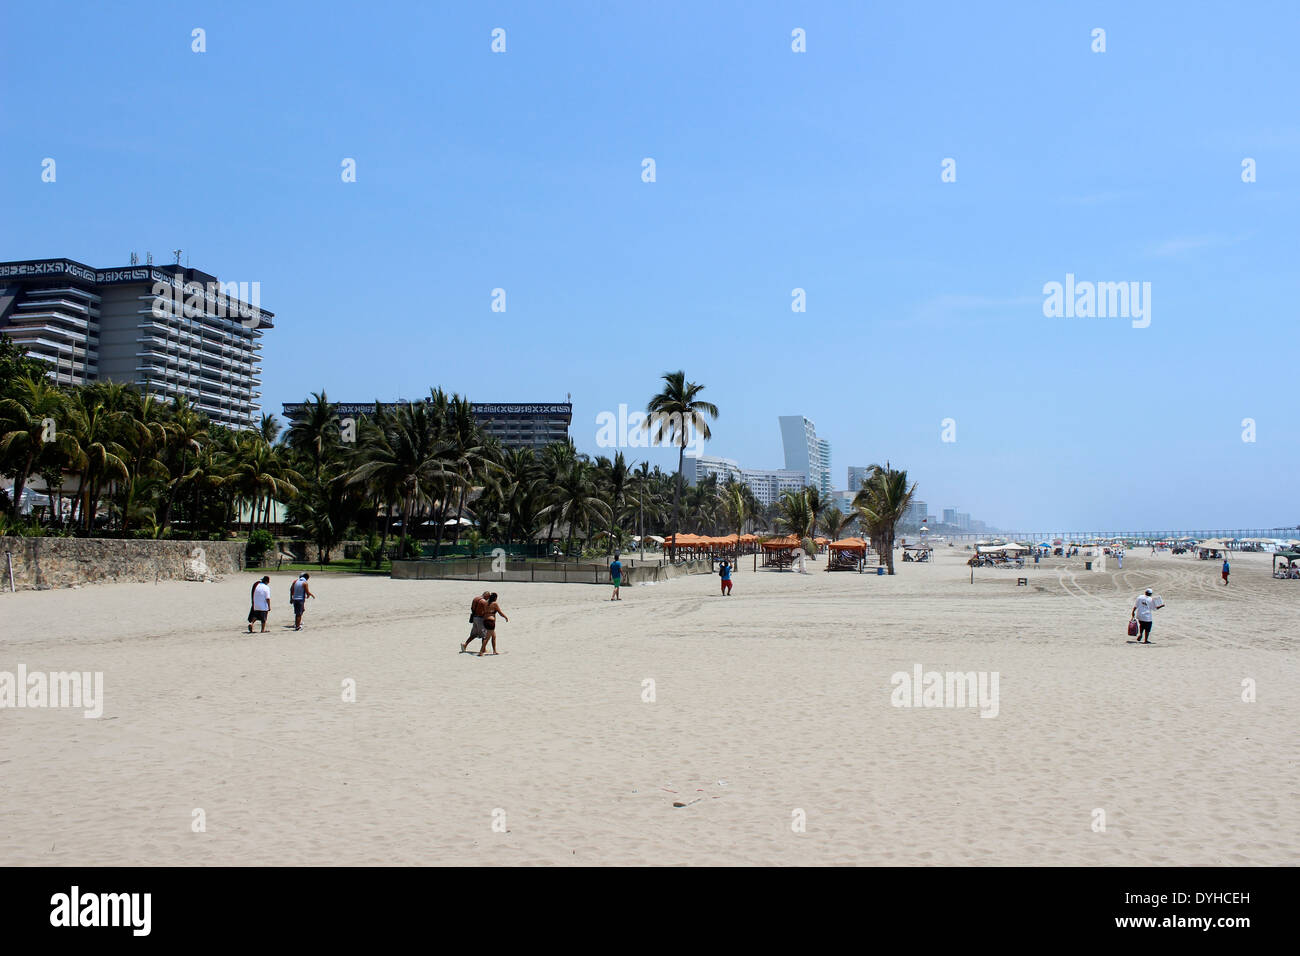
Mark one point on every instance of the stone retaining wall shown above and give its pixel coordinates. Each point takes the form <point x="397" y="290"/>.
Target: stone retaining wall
<point x="480" y="569"/>
<point x="41" y="563"/>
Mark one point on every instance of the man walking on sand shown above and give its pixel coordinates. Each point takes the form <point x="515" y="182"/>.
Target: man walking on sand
<point x="1225" y="570"/>
<point x="725" y="573"/>
<point x="615" y="577"/>
<point x="261" y="603"/>
<point x="299" y="592"/>
<point x="476" y="609"/>
<point x="1144" y="612"/>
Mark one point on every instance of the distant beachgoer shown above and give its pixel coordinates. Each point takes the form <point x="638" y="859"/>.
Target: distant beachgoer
<point x="261" y="597"/>
<point x="616" y="576"/>
<point x="1144" y="612"/>
<point x="490" y="623"/>
<point x="1225" y="570"/>
<point x="299" y="592"/>
<point x="725" y="572"/>
<point x="1119" y="556"/>
<point x="477" y="630"/>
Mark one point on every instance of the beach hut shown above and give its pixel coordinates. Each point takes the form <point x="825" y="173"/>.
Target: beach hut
<point x="780" y="552"/>
<point x="918" y="552"/>
<point x="847" y="554"/>
<point x="1290" y="569"/>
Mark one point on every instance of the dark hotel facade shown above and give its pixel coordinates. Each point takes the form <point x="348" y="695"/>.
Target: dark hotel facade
<point x="113" y="325"/>
<point x="515" y="425"/>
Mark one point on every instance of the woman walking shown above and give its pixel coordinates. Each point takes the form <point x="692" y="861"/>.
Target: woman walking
<point x="490" y="623"/>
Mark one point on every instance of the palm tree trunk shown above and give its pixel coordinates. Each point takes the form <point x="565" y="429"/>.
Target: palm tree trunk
<point x="20" y="482"/>
<point x="459" y="508"/>
<point x="677" y="492"/>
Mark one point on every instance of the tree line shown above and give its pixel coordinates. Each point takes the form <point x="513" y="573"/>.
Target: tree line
<point x="419" y="472"/>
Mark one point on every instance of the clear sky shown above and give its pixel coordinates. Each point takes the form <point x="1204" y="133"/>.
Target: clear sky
<point x="775" y="170"/>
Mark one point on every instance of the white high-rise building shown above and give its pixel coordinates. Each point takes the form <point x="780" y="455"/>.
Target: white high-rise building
<point x="768" y="484"/>
<point x="806" y="453"/>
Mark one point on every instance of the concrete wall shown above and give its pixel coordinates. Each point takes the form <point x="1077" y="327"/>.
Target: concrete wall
<point x="40" y="563"/>
<point x="480" y="569"/>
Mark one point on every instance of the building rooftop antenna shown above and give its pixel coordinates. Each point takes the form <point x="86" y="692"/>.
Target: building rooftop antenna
<point x="178" y="255"/>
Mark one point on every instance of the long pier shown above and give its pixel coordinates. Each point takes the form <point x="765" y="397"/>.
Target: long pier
<point x="1033" y="537"/>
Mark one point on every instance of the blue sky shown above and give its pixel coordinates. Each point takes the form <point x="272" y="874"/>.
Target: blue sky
<point x="775" y="170"/>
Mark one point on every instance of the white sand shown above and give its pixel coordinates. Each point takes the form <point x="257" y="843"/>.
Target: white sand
<point x="774" y="700"/>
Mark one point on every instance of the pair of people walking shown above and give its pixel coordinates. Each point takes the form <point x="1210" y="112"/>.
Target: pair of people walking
<point x="483" y="611"/>
<point x="260" y="601"/>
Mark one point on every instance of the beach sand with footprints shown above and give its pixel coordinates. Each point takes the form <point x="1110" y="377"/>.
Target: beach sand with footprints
<point x="771" y="709"/>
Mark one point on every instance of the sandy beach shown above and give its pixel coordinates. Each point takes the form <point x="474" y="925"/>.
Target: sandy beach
<point x="768" y="705"/>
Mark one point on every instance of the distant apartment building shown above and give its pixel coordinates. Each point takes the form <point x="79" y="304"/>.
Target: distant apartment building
<point x="950" y="516"/>
<point x="824" y="468"/>
<point x="806" y="453"/>
<point x="768" y="484"/>
<point x="514" y="424"/>
<point x="169" y="330"/>
<point x="857" y="475"/>
<point x="915" y="514"/>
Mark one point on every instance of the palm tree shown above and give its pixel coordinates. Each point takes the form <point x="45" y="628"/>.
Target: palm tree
<point x="96" y="454"/>
<point x="469" y="457"/>
<point x="673" y="413"/>
<point x="881" y="503"/>
<point x="556" y="459"/>
<point x="835" y="521"/>
<point x="578" y="500"/>
<point x="185" y="435"/>
<point x="145" y="437"/>
<point x="616" y="480"/>
<point x="406" y="454"/>
<point x="36" y="404"/>
<point x="816" y="506"/>
<point x="795" y="516"/>
<point x="315" y="432"/>
<point x="735" y="508"/>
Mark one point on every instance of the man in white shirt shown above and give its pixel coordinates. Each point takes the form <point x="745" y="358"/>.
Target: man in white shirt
<point x="261" y="603"/>
<point x="1144" y="611"/>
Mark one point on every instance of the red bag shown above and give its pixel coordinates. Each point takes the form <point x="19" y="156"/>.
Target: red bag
<point x="1132" y="628"/>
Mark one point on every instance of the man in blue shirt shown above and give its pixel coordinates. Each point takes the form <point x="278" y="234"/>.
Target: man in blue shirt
<point x="1225" y="570"/>
<point x="725" y="572"/>
<point x="616" y="576"/>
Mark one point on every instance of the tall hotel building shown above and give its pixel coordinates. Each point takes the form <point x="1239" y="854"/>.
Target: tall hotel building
<point x="514" y="424"/>
<point x="805" y="452"/>
<point x="200" y="339"/>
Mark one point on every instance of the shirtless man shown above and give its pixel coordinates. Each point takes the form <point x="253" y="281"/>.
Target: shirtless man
<point x="476" y="608"/>
<point x="490" y="623"/>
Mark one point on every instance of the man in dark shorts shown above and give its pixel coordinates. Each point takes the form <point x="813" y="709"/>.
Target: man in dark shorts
<point x="299" y="592"/>
<point x="1143" y="612"/>
<point x="261" y="603"/>
<point x="1225" y="570"/>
